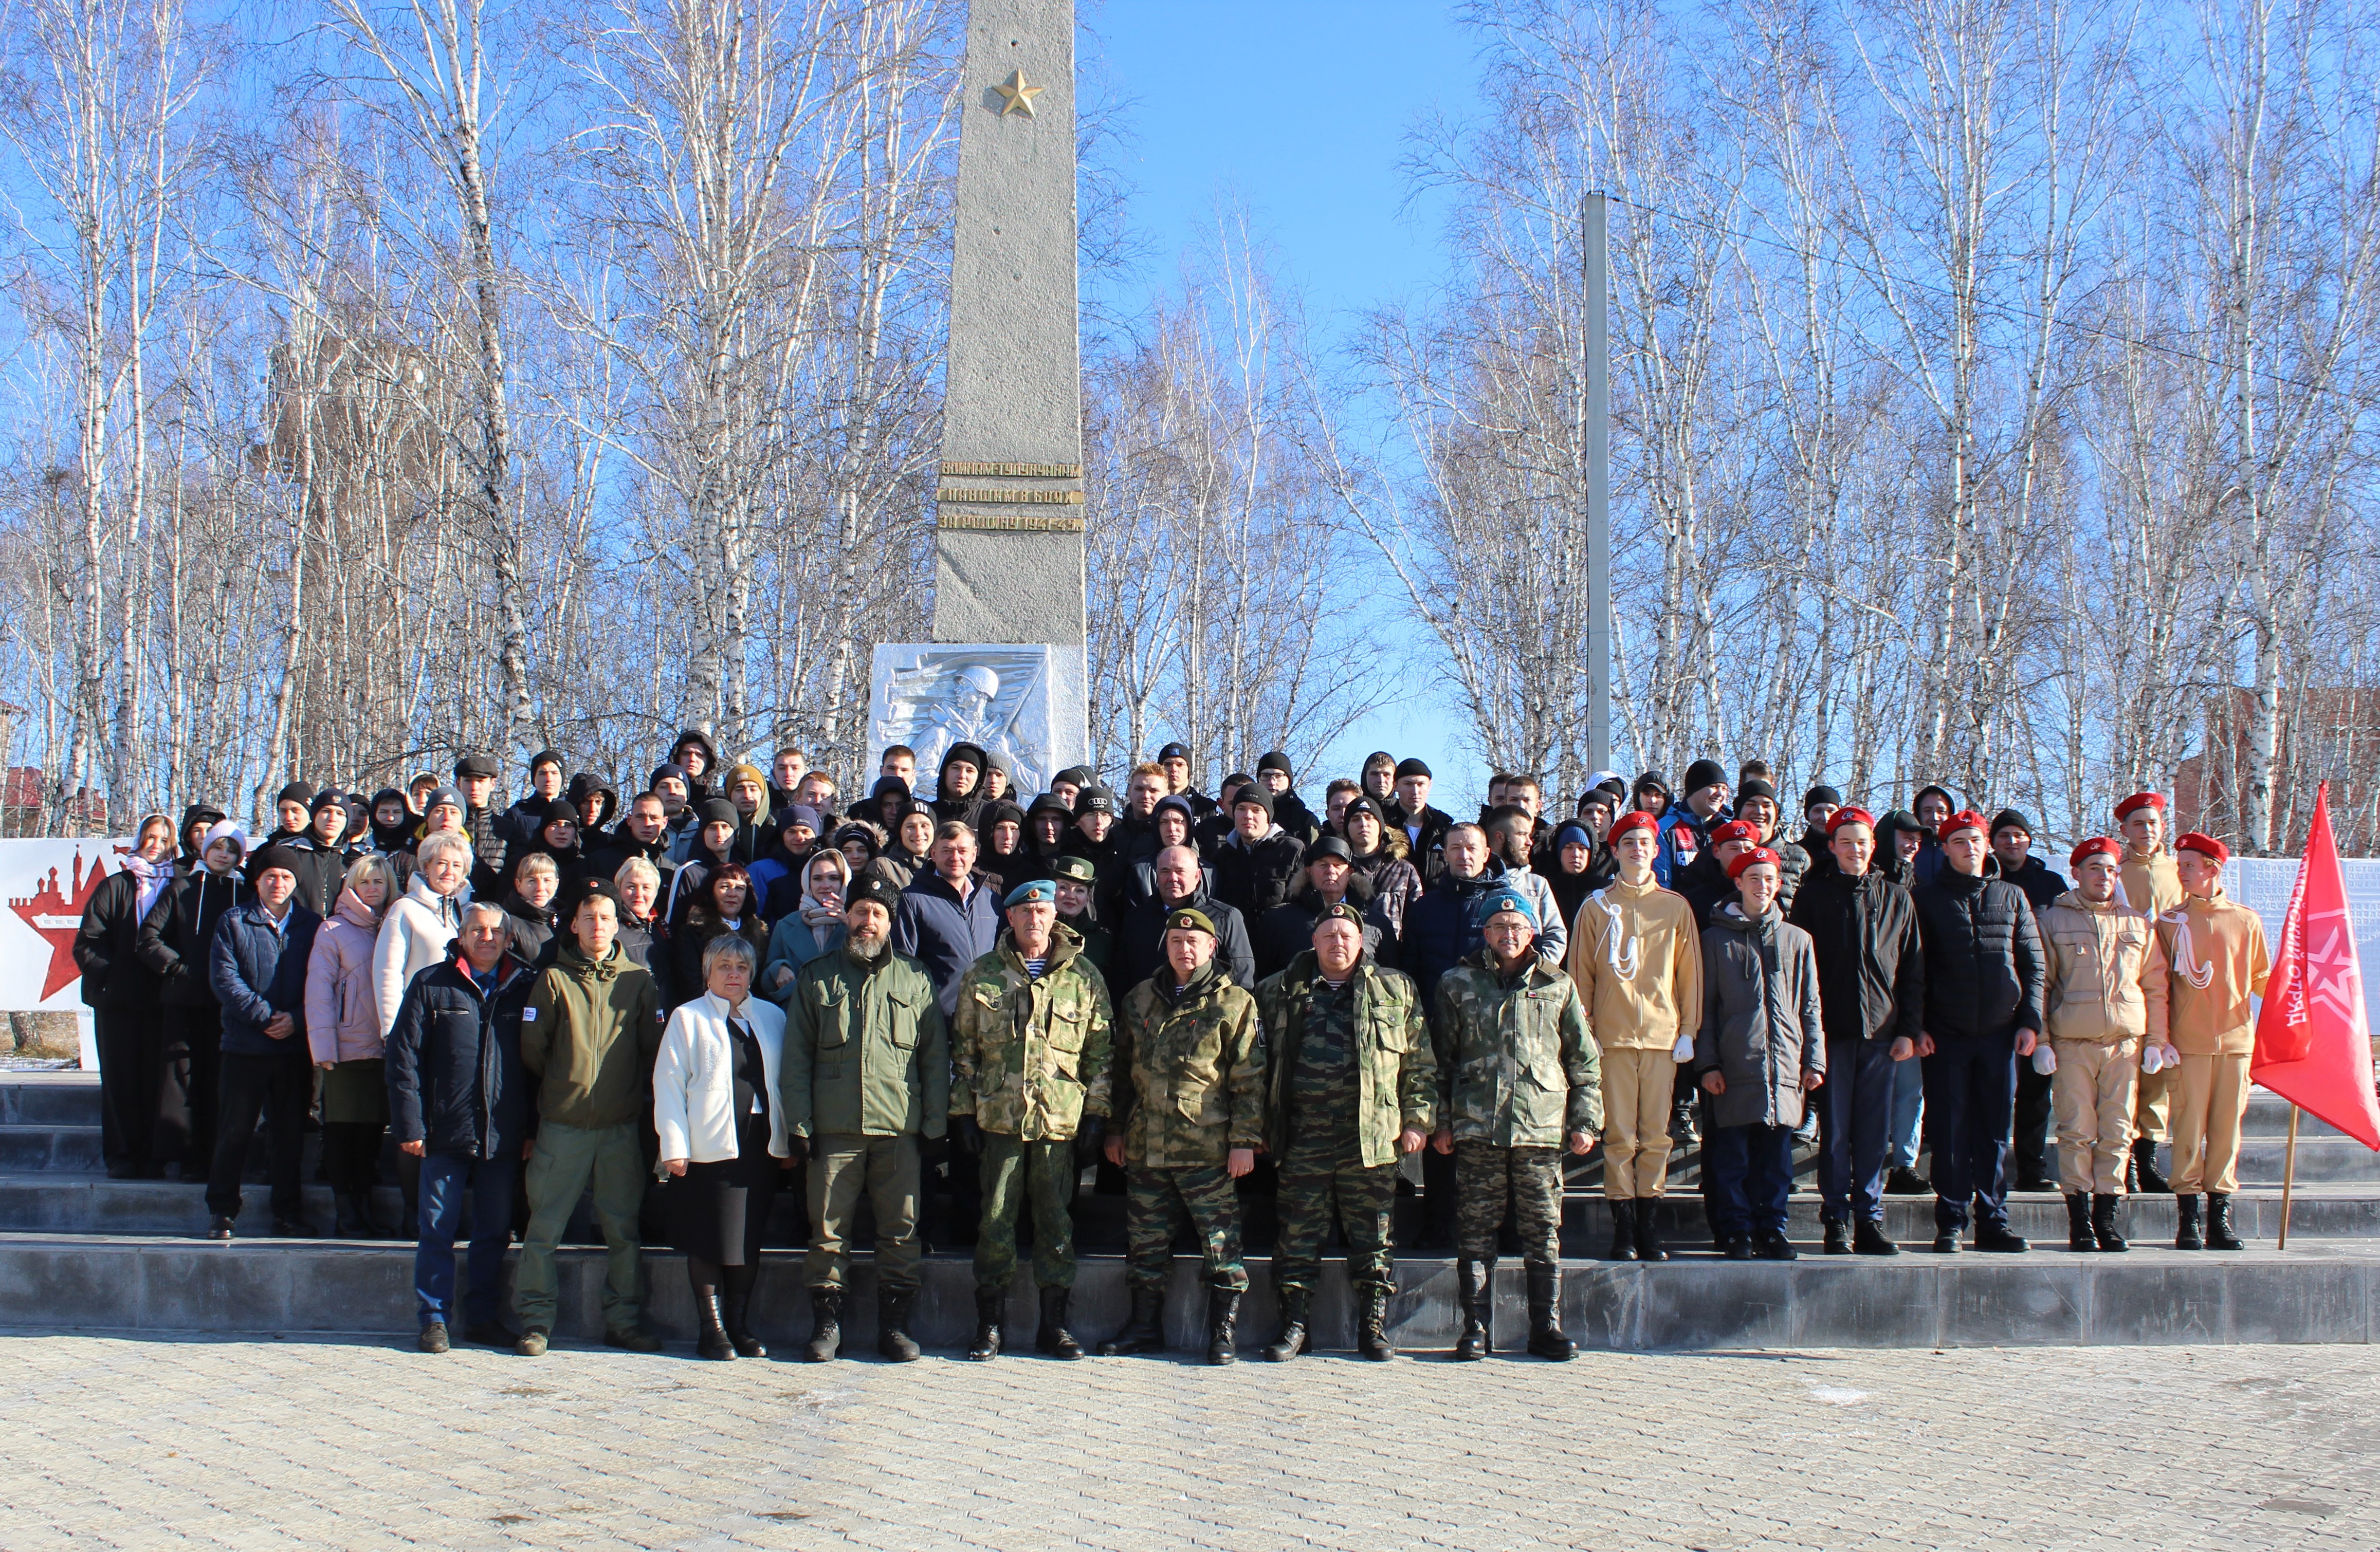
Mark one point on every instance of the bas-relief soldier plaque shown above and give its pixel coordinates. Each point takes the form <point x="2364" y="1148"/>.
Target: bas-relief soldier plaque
<point x="1012" y="700"/>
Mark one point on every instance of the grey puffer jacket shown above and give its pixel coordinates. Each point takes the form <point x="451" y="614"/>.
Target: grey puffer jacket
<point x="1762" y="1028"/>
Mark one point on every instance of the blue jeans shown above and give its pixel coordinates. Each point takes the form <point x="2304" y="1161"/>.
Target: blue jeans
<point x="446" y="1178"/>
<point x="1856" y="1117"/>
<point x="1900" y="1139"/>
<point x="1750" y="1170"/>
<point x="1970" y="1093"/>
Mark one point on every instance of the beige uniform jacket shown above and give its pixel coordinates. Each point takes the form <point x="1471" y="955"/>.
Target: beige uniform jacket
<point x="1636" y="958"/>
<point x="2149" y="884"/>
<point x="2217" y="947"/>
<point x="2107" y="973"/>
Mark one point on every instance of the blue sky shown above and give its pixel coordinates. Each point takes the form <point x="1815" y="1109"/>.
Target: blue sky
<point x="1298" y="111"/>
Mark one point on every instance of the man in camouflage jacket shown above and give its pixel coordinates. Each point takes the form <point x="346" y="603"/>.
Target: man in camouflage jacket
<point x="1189" y="1094"/>
<point x="1353" y="1084"/>
<point x="1029" y="1051"/>
<point x="1519" y="1079"/>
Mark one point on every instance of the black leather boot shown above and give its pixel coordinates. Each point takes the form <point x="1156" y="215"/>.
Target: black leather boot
<point x="1867" y="1239"/>
<point x="712" y="1341"/>
<point x="1053" y="1340"/>
<point x="1294" y="1339"/>
<point x="1222" y="1326"/>
<point x="826" y="1326"/>
<point x="2219" y="1222"/>
<point x="893" y="1338"/>
<point x="2185" y="1224"/>
<point x="1545" y="1338"/>
<point x="1144" y="1329"/>
<point x="1838" y="1237"/>
<point x="2144" y="1170"/>
<point x="1648" y="1238"/>
<point x="987" y="1303"/>
<point x="736" y="1285"/>
<point x="2080" y="1235"/>
<point x="1372" y="1325"/>
<point x="1623" y="1229"/>
<point x="1474" y="1283"/>
<point x="2104" y="1225"/>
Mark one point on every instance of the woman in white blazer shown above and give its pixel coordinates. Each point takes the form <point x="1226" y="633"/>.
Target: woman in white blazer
<point x="723" y="1140"/>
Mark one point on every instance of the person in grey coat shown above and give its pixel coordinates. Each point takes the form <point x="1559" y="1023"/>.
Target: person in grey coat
<point x="1761" y="1050"/>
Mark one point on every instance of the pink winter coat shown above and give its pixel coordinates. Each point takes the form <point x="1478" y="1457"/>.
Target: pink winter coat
<point x="342" y="1015"/>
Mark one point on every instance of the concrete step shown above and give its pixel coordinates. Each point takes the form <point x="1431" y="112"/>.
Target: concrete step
<point x="49" y="1099"/>
<point x="49" y="1147"/>
<point x="2317" y="1291"/>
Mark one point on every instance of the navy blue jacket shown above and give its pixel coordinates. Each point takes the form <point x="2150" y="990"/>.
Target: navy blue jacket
<point x="454" y="1076"/>
<point x="257" y="972"/>
<point x="935" y="928"/>
<point x="1442" y="930"/>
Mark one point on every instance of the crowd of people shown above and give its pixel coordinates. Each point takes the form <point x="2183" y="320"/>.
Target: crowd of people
<point x="950" y="998"/>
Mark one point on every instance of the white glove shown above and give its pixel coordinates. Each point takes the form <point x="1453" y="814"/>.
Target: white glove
<point x="2152" y="1059"/>
<point x="1684" y="1049"/>
<point x="2172" y="1056"/>
<point x="2044" y="1060"/>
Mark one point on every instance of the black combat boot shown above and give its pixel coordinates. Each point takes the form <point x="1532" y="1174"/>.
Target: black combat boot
<point x="2185" y="1224"/>
<point x="826" y="1326"/>
<point x="2104" y="1227"/>
<point x="1474" y="1283"/>
<point x="987" y="1303"/>
<point x="736" y="1285"/>
<point x="2219" y="1222"/>
<point x="1222" y="1326"/>
<point x="2145" y="1170"/>
<point x="1648" y="1240"/>
<point x="1293" y="1338"/>
<point x="1372" y="1325"/>
<point x="1838" y="1237"/>
<point x="1623" y="1229"/>
<point x="1867" y="1239"/>
<point x="1144" y="1330"/>
<point x="1053" y="1340"/>
<point x="892" y="1338"/>
<point x="1999" y="1237"/>
<point x="1545" y="1338"/>
<point x="2080" y="1235"/>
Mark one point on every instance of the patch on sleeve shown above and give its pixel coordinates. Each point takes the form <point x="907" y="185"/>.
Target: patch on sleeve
<point x="529" y="1015"/>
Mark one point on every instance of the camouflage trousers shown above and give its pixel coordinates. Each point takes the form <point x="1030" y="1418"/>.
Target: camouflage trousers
<point x="1014" y="1171"/>
<point x="1159" y="1201"/>
<point x="1483" y="1175"/>
<point x="1313" y="1183"/>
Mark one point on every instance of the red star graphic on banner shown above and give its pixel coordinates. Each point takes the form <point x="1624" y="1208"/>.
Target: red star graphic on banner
<point x="57" y="917"/>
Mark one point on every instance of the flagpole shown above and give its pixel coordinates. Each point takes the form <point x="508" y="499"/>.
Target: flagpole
<point x="2288" y="1177"/>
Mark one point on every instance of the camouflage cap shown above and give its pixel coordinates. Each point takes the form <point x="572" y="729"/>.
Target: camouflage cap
<point x="1194" y="921"/>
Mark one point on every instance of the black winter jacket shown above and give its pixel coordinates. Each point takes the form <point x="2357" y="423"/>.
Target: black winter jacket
<point x="1253" y="880"/>
<point x="1984" y="961"/>
<point x="491" y="868"/>
<point x="107" y="947"/>
<point x="321" y="872"/>
<point x="1287" y="931"/>
<point x="1140" y="943"/>
<point x="454" y="1076"/>
<point x="1871" y="965"/>
<point x="2042" y="884"/>
<point x="1442" y="930"/>
<point x="179" y="930"/>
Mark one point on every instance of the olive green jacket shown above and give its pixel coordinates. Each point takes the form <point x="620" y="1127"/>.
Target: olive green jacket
<point x="1516" y="1066"/>
<point x="589" y="1033"/>
<point x="1190" y="1074"/>
<point x="1030" y="1058"/>
<point x="866" y="1049"/>
<point x="1396" y="1069"/>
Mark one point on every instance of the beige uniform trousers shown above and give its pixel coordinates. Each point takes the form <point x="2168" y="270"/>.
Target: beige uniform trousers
<point x="2093" y="1090"/>
<point x="2149" y="1110"/>
<point x="2209" y="1101"/>
<point x="1636" y="1090"/>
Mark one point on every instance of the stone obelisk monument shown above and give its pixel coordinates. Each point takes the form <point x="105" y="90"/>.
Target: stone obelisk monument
<point x="1006" y="668"/>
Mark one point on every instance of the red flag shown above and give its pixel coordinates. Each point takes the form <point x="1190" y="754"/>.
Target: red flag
<point x="2314" y="1046"/>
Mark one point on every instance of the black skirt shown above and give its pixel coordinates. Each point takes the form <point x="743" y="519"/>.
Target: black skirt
<point x="718" y="1211"/>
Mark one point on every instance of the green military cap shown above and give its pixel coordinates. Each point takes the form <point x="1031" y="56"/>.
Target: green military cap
<point x="1079" y="869"/>
<point x="1341" y="911"/>
<point x="1196" y="921"/>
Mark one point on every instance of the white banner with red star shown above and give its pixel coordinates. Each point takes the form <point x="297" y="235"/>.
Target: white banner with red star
<point x="45" y="885"/>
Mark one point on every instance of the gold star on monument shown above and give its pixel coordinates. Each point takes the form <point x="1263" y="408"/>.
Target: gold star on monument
<point x="1017" y="96"/>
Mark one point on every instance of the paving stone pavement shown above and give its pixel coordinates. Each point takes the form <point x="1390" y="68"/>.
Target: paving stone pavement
<point x="201" y="1443"/>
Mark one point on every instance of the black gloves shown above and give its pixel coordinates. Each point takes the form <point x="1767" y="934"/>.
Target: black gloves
<point x="968" y="1136"/>
<point x="1090" y="1138"/>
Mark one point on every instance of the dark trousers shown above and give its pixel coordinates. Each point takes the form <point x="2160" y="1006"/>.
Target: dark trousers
<point x="282" y="1089"/>
<point x="2032" y="1135"/>
<point x="351" y="1155"/>
<point x="187" y="1103"/>
<point x="1855" y="1124"/>
<point x="131" y="1082"/>
<point x="448" y="1181"/>
<point x="1970" y="1106"/>
<point x="1751" y="1174"/>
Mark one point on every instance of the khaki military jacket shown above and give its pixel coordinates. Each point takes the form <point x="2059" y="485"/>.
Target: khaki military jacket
<point x="1030" y="1058"/>
<point x="2218" y="958"/>
<point x="1190" y="1074"/>
<point x="866" y="1050"/>
<point x="2150" y="884"/>
<point x="2106" y="979"/>
<point x="1396" y="1070"/>
<point x="1636" y="958"/>
<point x="1516" y="1066"/>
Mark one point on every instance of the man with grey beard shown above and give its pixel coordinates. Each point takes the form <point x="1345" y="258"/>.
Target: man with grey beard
<point x="866" y="1074"/>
